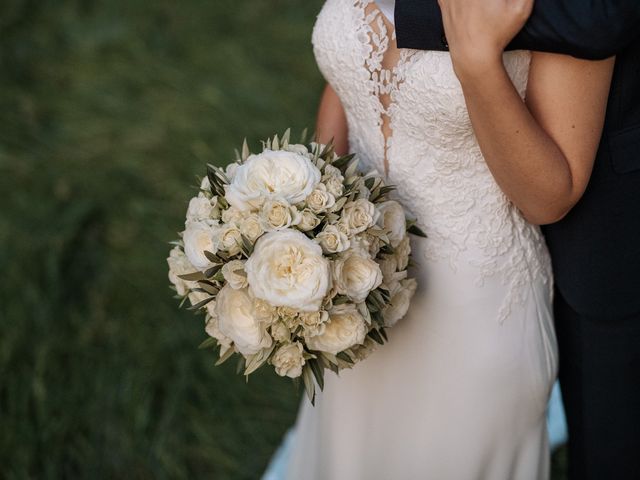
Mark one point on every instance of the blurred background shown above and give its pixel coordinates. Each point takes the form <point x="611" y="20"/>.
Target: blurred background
<point x="108" y="112"/>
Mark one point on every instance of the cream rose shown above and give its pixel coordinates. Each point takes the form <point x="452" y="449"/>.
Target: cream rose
<point x="277" y="214"/>
<point x="289" y="316"/>
<point x="213" y="330"/>
<point x="251" y="227"/>
<point x="264" y="312"/>
<point x="359" y="215"/>
<point x="314" y="323"/>
<point x="320" y="200"/>
<point x="233" y="272"/>
<point x="198" y="238"/>
<point x="399" y="303"/>
<point x="280" y="332"/>
<point x="332" y="240"/>
<point x="230" y="170"/>
<point x="237" y="320"/>
<point x="201" y="208"/>
<point x="287" y="269"/>
<point x="308" y="220"/>
<point x="297" y="148"/>
<point x="355" y="275"/>
<point x="288" y="360"/>
<point x="345" y="328"/>
<point x="390" y="274"/>
<point x="289" y="175"/>
<point x="402" y="252"/>
<point x="179" y="265"/>
<point x="233" y="215"/>
<point x="367" y="243"/>
<point x="230" y="239"/>
<point x="393" y="220"/>
<point x="333" y="180"/>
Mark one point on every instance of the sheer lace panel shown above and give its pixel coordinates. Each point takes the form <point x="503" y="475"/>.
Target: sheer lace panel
<point x="384" y="63"/>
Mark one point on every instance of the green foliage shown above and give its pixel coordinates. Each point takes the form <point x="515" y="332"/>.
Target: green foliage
<point x="108" y="110"/>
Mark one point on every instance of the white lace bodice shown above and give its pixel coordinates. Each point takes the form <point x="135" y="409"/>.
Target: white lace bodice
<point x="407" y="112"/>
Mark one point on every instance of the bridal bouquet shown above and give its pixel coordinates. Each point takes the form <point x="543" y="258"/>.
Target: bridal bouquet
<point x="297" y="260"/>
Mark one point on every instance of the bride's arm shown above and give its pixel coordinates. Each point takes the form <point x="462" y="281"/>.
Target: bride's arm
<point x="541" y="153"/>
<point x="332" y="122"/>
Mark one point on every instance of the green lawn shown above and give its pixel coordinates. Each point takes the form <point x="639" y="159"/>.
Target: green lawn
<point x="108" y="110"/>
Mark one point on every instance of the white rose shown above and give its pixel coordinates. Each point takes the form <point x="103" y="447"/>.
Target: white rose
<point x="287" y="269"/>
<point x="277" y="214"/>
<point x="201" y="208"/>
<point x="345" y="328"/>
<point x="288" y="360"/>
<point x="291" y="176"/>
<point x="393" y="220"/>
<point x="297" y="148"/>
<point x="179" y="265"/>
<point x="361" y="352"/>
<point x="230" y="239"/>
<point x="332" y="240"/>
<point x="359" y="215"/>
<point x="308" y="220"/>
<point x="314" y="323"/>
<point x="399" y="302"/>
<point x="212" y="328"/>
<point x="333" y="180"/>
<point x="198" y="238"/>
<point x="363" y="192"/>
<point x="367" y="243"/>
<point x="390" y="274"/>
<point x="233" y="272"/>
<point x="233" y="215"/>
<point x="355" y="275"/>
<point x="335" y="186"/>
<point x="230" y="170"/>
<point x="251" y="227"/>
<point x="331" y="171"/>
<point x="389" y="267"/>
<point x="264" y="311"/>
<point x="320" y="200"/>
<point x="237" y="320"/>
<point x="280" y="332"/>
<point x="288" y="315"/>
<point x="402" y="252"/>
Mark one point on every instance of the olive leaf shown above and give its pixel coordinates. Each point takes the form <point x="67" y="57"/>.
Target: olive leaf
<point x="208" y="343"/>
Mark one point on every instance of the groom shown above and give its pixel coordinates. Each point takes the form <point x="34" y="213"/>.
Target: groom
<point x="596" y="248"/>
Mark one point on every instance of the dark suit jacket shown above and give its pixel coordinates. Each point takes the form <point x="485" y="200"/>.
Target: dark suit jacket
<point x="596" y="248"/>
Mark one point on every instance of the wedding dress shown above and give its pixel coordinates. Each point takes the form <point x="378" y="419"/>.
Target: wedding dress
<point x="460" y="390"/>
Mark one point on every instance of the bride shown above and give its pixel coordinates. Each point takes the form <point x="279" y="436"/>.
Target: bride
<point x="460" y="390"/>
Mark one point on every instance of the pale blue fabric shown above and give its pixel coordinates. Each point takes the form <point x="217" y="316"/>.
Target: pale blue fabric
<point x="556" y="420"/>
<point x="556" y="424"/>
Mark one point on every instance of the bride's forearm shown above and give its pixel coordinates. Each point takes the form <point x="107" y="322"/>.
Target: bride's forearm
<point x="331" y="122"/>
<point x="526" y="162"/>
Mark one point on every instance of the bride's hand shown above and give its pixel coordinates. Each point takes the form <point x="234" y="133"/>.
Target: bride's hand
<point x="478" y="31"/>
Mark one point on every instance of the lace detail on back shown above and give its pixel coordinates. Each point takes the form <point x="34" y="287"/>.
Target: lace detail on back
<point x="407" y="107"/>
<point x="384" y="62"/>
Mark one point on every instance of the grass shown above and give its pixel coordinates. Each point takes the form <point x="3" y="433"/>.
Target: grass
<point x="108" y="110"/>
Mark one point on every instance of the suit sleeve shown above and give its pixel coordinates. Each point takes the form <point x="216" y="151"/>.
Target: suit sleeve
<point x="590" y="29"/>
